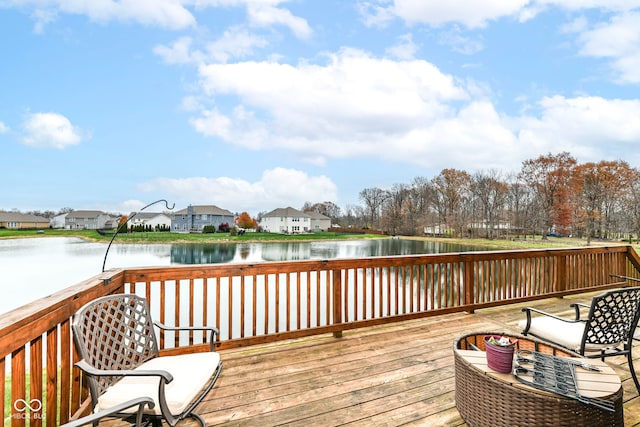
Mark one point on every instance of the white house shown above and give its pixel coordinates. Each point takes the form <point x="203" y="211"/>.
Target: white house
<point x="153" y="220"/>
<point x="58" y="221"/>
<point x="89" y="220"/>
<point x="286" y="220"/>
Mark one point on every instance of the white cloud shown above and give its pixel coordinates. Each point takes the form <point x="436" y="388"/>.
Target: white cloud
<point x="470" y="13"/>
<point x="358" y="106"/>
<point x="50" y="130"/>
<point x="617" y="40"/>
<point x="573" y="5"/>
<point x="354" y="105"/>
<point x="277" y="187"/>
<point x="170" y="14"/>
<point x="179" y="52"/>
<point x="475" y="14"/>
<point x="3" y="128"/>
<point x="374" y="15"/>
<point x="591" y="128"/>
<point x="459" y="42"/>
<point x="404" y="49"/>
<point x="235" y="42"/>
<point x="265" y="15"/>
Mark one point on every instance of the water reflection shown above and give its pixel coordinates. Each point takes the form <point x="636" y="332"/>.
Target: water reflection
<point x="298" y="251"/>
<point x="202" y="254"/>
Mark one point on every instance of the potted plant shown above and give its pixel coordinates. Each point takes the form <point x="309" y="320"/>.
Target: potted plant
<point x="499" y="351"/>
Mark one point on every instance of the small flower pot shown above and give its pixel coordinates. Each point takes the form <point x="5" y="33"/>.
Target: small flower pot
<point x="499" y="357"/>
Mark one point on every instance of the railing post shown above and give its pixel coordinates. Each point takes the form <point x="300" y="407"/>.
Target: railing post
<point x="561" y="279"/>
<point x="469" y="285"/>
<point x="337" y="301"/>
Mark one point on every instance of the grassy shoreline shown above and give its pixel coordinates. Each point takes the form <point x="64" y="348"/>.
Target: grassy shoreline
<point x="170" y="237"/>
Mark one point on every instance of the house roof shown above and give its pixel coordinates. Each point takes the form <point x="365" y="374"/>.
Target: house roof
<point x="317" y="215"/>
<point x="286" y="212"/>
<point x="85" y="214"/>
<point x="146" y="215"/>
<point x="20" y="217"/>
<point x="205" y="209"/>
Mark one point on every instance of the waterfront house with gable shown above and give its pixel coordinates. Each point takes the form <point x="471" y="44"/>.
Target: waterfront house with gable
<point x="17" y="220"/>
<point x="89" y="220"/>
<point x="195" y="218"/>
<point x="286" y="220"/>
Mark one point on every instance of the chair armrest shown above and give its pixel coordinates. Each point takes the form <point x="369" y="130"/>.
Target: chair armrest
<point x="87" y="368"/>
<point x="141" y="402"/>
<point x="214" y="331"/>
<point x="576" y="306"/>
<point x="529" y="310"/>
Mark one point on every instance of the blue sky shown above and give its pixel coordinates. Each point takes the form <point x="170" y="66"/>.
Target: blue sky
<point x="258" y="104"/>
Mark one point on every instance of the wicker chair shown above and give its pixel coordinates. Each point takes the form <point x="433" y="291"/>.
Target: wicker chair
<point x="608" y="330"/>
<point x="116" y="341"/>
<point x="96" y="417"/>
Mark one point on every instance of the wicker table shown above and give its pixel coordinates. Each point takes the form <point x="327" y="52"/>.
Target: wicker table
<point x="488" y="398"/>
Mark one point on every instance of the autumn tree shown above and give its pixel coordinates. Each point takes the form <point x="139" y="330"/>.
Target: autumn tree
<point x="549" y="177"/>
<point x="122" y="223"/>
<point x="245" y="221"/>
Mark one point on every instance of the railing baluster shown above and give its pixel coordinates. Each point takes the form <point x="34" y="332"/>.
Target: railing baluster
<point x="3" y="369"/>
<point x="35" y="379"/>
<point x="277" y="276"/>
<point x="65" y="370"/>
<point x="18" y="385"/>
<point x="52" y="377"/>
<point x="191" y="308"/>
<point x="267" y="303"/>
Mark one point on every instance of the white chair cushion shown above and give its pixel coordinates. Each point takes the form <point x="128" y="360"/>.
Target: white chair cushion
<point x="565" y="334"/>
<point x="191" y="373"/>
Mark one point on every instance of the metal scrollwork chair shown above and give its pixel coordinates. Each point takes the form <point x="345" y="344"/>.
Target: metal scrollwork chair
<point x="116" y="340"/>
<point x="607" y="330"/>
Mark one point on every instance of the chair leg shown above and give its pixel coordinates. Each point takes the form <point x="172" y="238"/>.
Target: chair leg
<point x="633" y="371"/>
<point x="198" y="418"/>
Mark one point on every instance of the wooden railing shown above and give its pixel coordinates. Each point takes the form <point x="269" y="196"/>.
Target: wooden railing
<point x="259" y="303"/>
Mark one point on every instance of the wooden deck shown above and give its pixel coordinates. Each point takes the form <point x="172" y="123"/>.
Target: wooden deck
<point x="392" y="375"/>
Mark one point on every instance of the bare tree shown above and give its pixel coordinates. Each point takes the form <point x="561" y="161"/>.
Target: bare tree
<point x="373" y="199"/>
<point x="491" y="194"/>
<point x="451" y="189"/>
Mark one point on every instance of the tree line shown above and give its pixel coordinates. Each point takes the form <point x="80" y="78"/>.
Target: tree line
<point x="550" y="195"/>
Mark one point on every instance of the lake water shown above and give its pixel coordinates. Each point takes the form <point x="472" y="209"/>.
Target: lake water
<point x="34" y="268"/>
